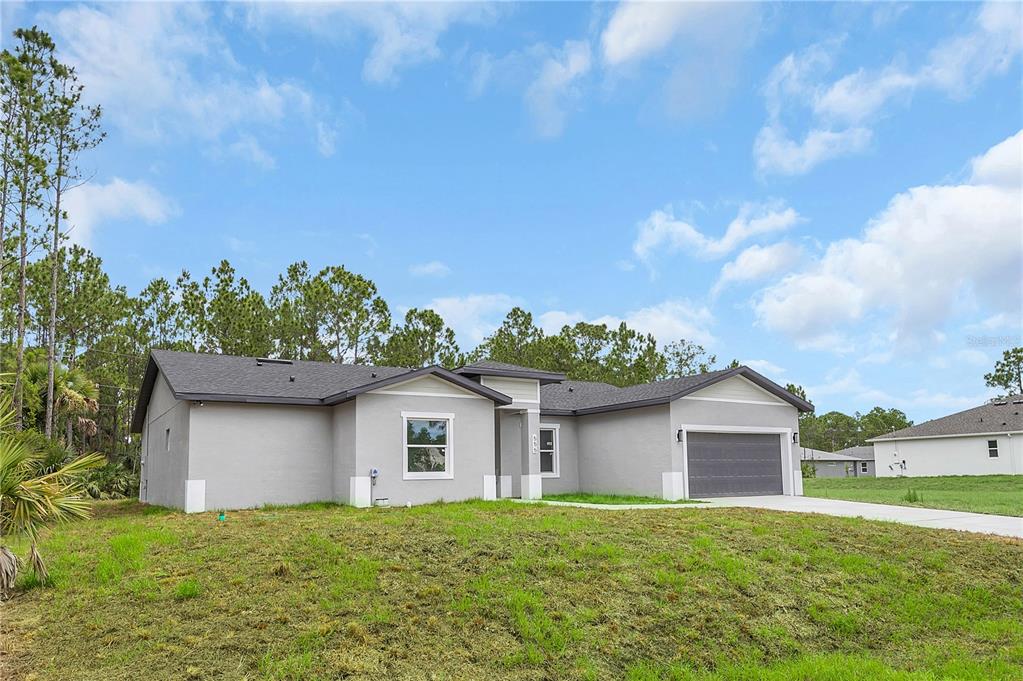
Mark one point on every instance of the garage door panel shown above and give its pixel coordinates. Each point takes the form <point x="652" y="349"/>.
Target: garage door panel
<point x="734" y="464"/>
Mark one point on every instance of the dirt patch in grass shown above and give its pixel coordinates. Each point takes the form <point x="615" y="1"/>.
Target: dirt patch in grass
<point x="998" y="494"/>
<point x="594" y="498"/>
<point x="503" y="590"/>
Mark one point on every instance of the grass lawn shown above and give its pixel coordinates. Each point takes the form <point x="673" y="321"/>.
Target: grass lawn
<point x="592" y="498"/>
<point x="484" y="590"/>
<point x="999" y="494"/>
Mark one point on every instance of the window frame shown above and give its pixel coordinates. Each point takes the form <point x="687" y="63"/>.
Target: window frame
<point x="992" y="452"/>
<point x="555" y="453"/>
<point x="449" y="447"/>
<point x="166" y="439"/>
<point x="863" y="467"/>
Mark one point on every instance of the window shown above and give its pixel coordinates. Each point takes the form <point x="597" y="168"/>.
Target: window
<point x="863" y="466"/>
<point x="992" y="449"/>
<point x="166" y="440"/>
<point x="428" y="445"/>
<point x="550" y="466"/>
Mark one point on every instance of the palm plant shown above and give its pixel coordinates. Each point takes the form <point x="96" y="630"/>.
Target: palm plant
<point x="35" y="491"/>
<point x="75" y="397"/>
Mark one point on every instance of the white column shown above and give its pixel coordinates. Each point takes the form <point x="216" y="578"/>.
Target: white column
<point x="673" y="485"/>
<point x="489" y="487"/>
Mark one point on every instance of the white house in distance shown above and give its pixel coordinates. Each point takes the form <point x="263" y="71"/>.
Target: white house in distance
<point x="985" y="440"/>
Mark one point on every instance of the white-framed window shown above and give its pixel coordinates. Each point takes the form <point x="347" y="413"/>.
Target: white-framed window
<point x="863" y="466"/>
<point x="992" y="449"/>
<point x="550" y="436"/>
<point x="428" y="446"/>
<point x="166" y="440"/>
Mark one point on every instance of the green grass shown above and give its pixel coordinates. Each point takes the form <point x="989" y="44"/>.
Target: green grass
<point x="999" y="494"/>
<point x="513" y="591"/>
<point x="592" y="498"/>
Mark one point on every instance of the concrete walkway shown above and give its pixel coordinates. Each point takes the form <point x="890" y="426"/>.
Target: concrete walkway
<point x="1007" y="526"/>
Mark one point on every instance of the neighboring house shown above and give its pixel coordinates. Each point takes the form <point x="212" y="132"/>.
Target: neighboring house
<point x="221" y="432"/>
<point x="852" y="462"/>
<point x="985" y="440"/>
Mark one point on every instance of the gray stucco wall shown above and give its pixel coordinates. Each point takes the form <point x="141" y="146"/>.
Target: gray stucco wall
<point x="568" y="453"/>
<point x="343" y="452"/>
<point x="256" y="454"/>
<point x="703" y="412"/>
<point x="624" y="451"/>
<point x="165" y="469"/>
<point x="379" y="431"/>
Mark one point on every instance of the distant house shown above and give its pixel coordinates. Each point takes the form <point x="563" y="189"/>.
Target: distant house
<point x="235" y="432"/>
<point x="852" y="462"/>
<point x="985" y="440"/>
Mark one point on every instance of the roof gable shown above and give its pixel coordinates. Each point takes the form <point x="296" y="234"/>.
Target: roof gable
<point x="735" y="389"/>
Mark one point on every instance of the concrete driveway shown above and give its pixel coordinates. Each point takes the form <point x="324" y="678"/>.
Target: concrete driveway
<point x="1007" y="526"/>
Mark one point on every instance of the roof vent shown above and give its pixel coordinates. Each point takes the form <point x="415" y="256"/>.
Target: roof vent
<point x="571" y="389"/>
<point x="373" y="374"/>
<point x="1001" y="404"/>
<point x="291" y="379"/>
<point x="266" y="360"/>
<point x="1017" y="401"/>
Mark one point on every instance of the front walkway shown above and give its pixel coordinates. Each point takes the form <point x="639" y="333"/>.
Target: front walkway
<point x="1007" y="526"/>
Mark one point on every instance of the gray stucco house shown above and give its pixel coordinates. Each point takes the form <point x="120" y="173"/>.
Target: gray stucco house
<point x="224" y="432"/>
<point x="851" y="462"/>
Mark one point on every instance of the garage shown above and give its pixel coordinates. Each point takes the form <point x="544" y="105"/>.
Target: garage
<point x="733" y="464"/>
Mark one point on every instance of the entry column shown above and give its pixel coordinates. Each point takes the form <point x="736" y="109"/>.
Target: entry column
<point x="531" y="480"/>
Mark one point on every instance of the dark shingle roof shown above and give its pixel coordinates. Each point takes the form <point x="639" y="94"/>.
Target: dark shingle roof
<point x="584" y="397"/>
<point x="1000" y="416"/>
<point x="863" y="452"/>
<point x="488" y="367"/>
<point x="196" y="376"/>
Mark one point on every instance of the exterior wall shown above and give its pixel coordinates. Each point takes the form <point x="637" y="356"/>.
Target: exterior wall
<point x="625" y="451"/>
<point x="696" y="412"/>
<point x="949" y="456"/>
<point x="568" y="455"/>
<point x="379" y="444"/>
<point x="519" y="389"/>
<point x="343" y="452"/>
<point x="841" y="469"/>
<point x="256" y="454"/>
<point x="165" y="468"/>
<point x="511" y="449"/>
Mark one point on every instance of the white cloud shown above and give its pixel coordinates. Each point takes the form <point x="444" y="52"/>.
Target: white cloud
<point x="841" y="111"/>
<point x="402" y="34"/>
<point x="434" y="268"/>
<point x="92" y="204"/>
<point x="248" y="148"/>
<point x="758" y="262"/>
<point x="668" y="321"/>
<point x="703" y="43"/>
<point x="763" y="366"/>
<point x="776" y="152"/>
<point x="849" y="385"/>
<point x="556" y="88"/>
<point x="161" y="71"/>
<point x="474" y="316"/>
<point x="931" y="250"/>
<point x="662" y="232"/>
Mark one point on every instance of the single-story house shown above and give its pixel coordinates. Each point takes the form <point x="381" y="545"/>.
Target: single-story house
<point x="223" y="432"/>
<point x="851" y="462"/>
<point x="985" y="440"/>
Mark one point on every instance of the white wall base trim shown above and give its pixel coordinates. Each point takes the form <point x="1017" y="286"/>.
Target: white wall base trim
<point x="195" y="496"/>
<point x="360" y="491"/>
<point x="532" y="486"/>
<point x="506" y="486"/>
<point x="673" y="485"/>
<point x="797" y="481"/>
<point x="489" y="487"/>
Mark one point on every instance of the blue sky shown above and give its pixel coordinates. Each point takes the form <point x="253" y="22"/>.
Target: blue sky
<point x="829" y="193"/>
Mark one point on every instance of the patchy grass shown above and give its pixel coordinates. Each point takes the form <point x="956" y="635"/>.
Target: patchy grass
<point x="594" y="498"/>
<point x="504" y="590"/>
<point x="998" y="494"/>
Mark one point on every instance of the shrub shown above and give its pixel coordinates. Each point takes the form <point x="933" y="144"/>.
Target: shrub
<point x="808" y="470"/>
<point x="912" y="496"/>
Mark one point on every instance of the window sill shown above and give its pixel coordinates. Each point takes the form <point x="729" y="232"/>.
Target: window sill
<point x="550" y="475"/>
